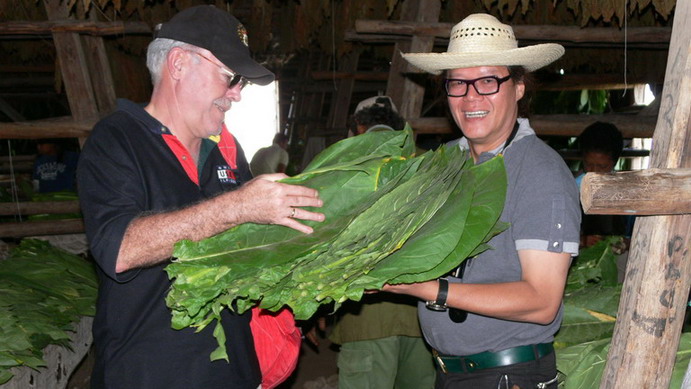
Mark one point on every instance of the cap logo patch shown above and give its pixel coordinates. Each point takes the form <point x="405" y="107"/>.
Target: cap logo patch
<point x="242" y="34"/>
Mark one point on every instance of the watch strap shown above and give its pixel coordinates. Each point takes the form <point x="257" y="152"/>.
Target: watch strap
<point x="440" y="303"/>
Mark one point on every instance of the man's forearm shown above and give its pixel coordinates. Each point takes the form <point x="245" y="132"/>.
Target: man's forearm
<point x="150" y="239"/>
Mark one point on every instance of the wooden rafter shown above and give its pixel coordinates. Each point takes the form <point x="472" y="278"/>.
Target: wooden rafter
<point x="44" y="28"/>
<point x="544" y="33"/>
<point x="631" y="126"/>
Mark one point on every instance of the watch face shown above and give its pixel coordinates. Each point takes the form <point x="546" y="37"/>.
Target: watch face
<point x="432" y="305"/>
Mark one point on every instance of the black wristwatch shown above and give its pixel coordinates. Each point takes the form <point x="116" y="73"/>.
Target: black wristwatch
<point x="440" y="303"/>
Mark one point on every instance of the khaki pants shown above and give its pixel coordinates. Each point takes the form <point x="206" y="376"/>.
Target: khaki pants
<point x="396" y="362"/>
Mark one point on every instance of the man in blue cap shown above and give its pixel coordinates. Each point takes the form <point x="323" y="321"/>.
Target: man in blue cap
<point x="149" y="177"/>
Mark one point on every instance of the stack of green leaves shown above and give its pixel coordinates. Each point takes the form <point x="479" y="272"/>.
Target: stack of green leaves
<point x="582" y="365"/>
<point x="591" y="298"/>
<point x="391" y="217"/>
<point x="591" y="302"/>
<point x="44" y="291"/>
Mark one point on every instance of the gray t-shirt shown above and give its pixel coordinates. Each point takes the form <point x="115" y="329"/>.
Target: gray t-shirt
<point x="542" y="207"/>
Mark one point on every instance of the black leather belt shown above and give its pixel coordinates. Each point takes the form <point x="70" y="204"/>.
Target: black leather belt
<point x="486" y="360"/>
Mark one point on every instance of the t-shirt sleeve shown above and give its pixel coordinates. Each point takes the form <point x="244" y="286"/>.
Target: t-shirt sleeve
<point x="549" y="215"/>
<point x="109" y="194"/>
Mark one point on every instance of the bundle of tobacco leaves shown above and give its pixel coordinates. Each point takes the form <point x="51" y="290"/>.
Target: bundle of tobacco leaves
<point x="44" y="291"/>
<point x="391" y="217"/>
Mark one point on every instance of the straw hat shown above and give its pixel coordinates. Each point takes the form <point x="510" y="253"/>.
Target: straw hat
<point x="481" y="40"/>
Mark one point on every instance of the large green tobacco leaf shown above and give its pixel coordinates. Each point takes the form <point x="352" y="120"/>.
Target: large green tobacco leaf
<point x="468" y="219"/>
<point x="378" y="143"/>
<point x="595" y="265"/>
<point x="43" y="291"/>
<point x="339" y="272"/>
<point x="381" y="203"/>
<point x="244" y="250"/>
<point x="583" y="364"/>
<point x="341" y="185"/>
<point x="589" y="314"/>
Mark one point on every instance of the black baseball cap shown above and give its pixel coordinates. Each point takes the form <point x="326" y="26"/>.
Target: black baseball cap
<point x="219" y="32"/>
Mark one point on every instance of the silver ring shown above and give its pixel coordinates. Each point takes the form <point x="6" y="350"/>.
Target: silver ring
<point x="292" y="213"/>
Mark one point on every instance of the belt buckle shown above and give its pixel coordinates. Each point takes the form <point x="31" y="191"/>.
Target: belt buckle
<point x="440" y="362"/>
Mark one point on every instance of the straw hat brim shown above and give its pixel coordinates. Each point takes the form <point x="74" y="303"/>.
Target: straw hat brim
<point x="530" y="57"/>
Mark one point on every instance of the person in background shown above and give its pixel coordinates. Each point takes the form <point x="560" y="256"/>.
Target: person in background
<point x="149" y="176"/>
<point x="600" y="145"/>
<point x="380" y="338"/>
<point x="491" y="322"/>
<point x="376" y="113"/>
<point x="55" y="167"/>
<point x="272" y="159"/>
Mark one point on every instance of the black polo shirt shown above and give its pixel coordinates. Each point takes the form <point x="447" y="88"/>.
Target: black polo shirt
<point x="130" y="166"/>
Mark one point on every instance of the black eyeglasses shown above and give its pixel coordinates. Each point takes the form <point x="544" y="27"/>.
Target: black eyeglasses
<point x="488" y="85"/>
<point x="233" y="78"/>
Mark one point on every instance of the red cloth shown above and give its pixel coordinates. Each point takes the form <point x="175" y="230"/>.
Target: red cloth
<point x="277" y="343"/>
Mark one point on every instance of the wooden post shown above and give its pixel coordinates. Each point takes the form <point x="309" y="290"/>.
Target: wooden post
<point x="406" y="94"/>
<point x="84" y="67"/>
<point x="73" y="67"/>
<point x="338" y="114"/>
<point x="101" y="75"/>
<point x="658" y="273"/>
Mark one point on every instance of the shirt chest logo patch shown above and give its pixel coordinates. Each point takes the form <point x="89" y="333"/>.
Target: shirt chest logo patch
<point x="225" y="175"/>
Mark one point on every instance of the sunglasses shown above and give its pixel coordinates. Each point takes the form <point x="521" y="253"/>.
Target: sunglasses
<point x="234" y="79"/>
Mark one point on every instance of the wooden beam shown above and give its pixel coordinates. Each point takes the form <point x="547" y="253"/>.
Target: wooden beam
<point x="64" y="127"/>
<point x="606" y="81"/>
<point x="8" y="110"/>
<point x="658" y="273"/>
<point x="43" y="227"/>
<point x="39" y="207"/>
<point x="631" y="126"/>
<point x="643" y="192"/>
<point x="321" y="75"/>
<point x="542" y="33"/>
<point x="338" y="111"/>
<point x="25" y="68"/>
<point x="603" y="81"/>
<point x="100" y="73"/>
<point x="406" y="94"/>
<point x="27" y="82"/>
<point x="46" y="28"/>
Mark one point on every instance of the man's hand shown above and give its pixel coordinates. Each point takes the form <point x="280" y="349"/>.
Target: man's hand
<point x="265" y="201"/>
<point x="423" y="290"/>
<point x="313" y="329"/>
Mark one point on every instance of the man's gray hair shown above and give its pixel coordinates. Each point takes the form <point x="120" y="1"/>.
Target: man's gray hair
<point x="157" y="53"/>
